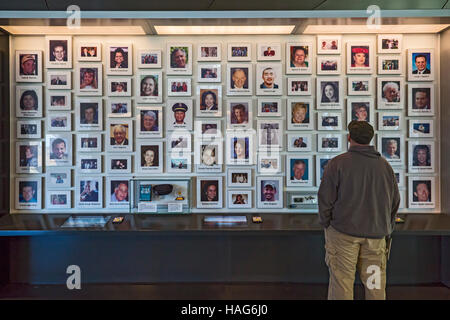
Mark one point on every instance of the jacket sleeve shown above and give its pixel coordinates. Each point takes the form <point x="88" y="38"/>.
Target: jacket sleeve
<point x="395" y="201"/>
<point x="327" y="196"/>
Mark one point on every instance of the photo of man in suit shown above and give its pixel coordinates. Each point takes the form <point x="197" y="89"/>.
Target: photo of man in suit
<point x="119" y="135"/>
<point x="421" y="64"/>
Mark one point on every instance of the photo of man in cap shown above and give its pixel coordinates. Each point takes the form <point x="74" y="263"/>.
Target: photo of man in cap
<point x="28" y="64"/>
<point x="179" y="113"/>
<point x="269" y="190"/>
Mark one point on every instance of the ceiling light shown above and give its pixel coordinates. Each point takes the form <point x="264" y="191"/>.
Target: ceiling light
<point x="179" y="30"/>
<point x="384" y="28"/>
<point x="82" y="30"/>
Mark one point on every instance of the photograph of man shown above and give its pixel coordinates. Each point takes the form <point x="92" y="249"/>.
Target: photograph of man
<point x="360" y="111"/>
<point x="269" y="190"/>
<point x="421" y="98"/>
<point x="89" y="113"/>
<point x="28" y="156"/>
<point x="360" y="57"/>
<point x="239" y="113"/>
<point x="120" y="133"/>
<point x="239" y="78"/>
<point x="88" y="78"/>
<point x="59" y="149"/>
<point x="179" y="57"/>
<point x="299" y="55"/>
<point x="421" y="156"/>
<point x="27" y="191"/>
<point x="421" y="63"/>
<point x="120" y="191"/>
<point x="391" y="91"/>
<point x="390" y="149"/>
<point x="299" y="169"/>
<point x="299" y="143"/>
<point x="210" y="190"/>
<point x="179" y="113"/>
<point x="150" y="156"/>
<point x="149" y="86"/>
<point x="119" y="57"/>
<point x="300" y="113"/>
<point x="58" y="49"/>
<point x="29" y="101"/>
<point x="149" y="120"/>
<point x="28" y="64"/>
<point x="268" y="76"/>
<point x="422" y="191"/>
<point x="59" y="80"/>
<point x="89" y="191"/>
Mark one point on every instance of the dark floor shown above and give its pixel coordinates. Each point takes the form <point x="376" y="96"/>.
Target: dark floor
<point x="217" y="291"/>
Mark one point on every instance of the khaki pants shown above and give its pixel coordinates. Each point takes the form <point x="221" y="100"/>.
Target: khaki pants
<point x="346" y="254"/>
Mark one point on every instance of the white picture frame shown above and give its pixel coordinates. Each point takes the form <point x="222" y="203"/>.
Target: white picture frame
<point x="179" y="58"/>
<point x="329" y="121"/>
<point x="179" y="142"/>
<point x="392" y="64"/>
<point x="28" y="156"/>
<point x="363" y="65"/>
<point x="58" y="150"/>
<point x="58" y="100"/>
<point x="421" y="99"/>
<point x="89" y="192"/>
<point x="208" y="129"/>
<point x="421" y="58"/>
<point x="239" y="113"/>
<point x="149" y="122"/>
<point x="361" y="109"/>
<point x="269" y="79"/>
<point x="329" y="44"/>
<point x="89" y="114"/>
<point x="330" y="64"/>
<point x="268" y="51"/>
<point x="329" y="142"/>
<point x="179" y="163"/>
<point x="209" y="52"/>
<point x="29" y="101"/>
<point x="299" y="114"/>
<point x="321" y="162"/>
<point x="422" y="192"/>
<point x="329" y="93"/>
<point x="89" y="51"/>
<point x="59" y="121"/>
<point x="58" y="178"/>
<point x="239" y="147"/>
<point x="297" y="60"/>
<point x="209" y="72"/>
<point x="89" y="142"/>
<point x="182" y="90"/>
<point x="118" y="107"/>
<point x="244" y="201"/>
<point x="29" y="129"/>
<point x="299" y="142"/>
<point x="421" y="156"/>
<point x="29" y="65"/>
<point x="208" y="155"/>
<point x="58" y="52"/>
<point x="299" y="86"/>
<point x="89" y="163"/>
<point x="269" y="198"/>
<point x="119" y="59"/>
<point x="206" y="191"/>
<point x="118" y="163"/>
<point x="28" y="193"/>
<point x="148" y="87"/>
<point x="149" y="59"/>
<point x="119" y="135"/>
<point x="391" y="92"/>
<point x="360" y="85"/>
<point x="389" y="43"/>
<point x="270" y="134"/>
<point x="239" y="51"/>
<point x="240" y="79"/>
<point x="209" y="101"/>
<point x="239" y="178"/>
<point x="390" y="120"/>
<point x="149" y="157"/>
<point x="270" y="107"/>
<point x="118" y="192"/>
<point x="89" y="79"/>
<point x="179" y="114"/>
<point x="390" y="150"/>
<point x="400" y="177"/>
<point x="118" y="87"/>
<point x="58" y="199"/>
<point x="299" y="171"/>
<point x="59" y="79"/>
<point x="421" y="128"/>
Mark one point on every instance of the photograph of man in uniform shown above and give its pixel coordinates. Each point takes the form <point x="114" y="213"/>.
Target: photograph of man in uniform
<point x="179" y="113"/>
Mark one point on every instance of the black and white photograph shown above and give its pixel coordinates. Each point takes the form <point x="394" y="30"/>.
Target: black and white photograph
<point x="89" y="79"/>
<point x="208" y="155"/>
<point x="299" y="142"/>
<point x="118" y="164"/>
<point x="421" y="128"/>
<point x="58" y="178"/>
<point x="59" y="80"/>
<point x="360" y="58"/>
<point x="299" y="114"/>
<point x="360" y="109"/>
<point x="239" y="178"/>
<point x="239" y="114"/>
<point x="148" y="86"/>
<point x="119" y="87"/>
<point x="179" y="114"/>
<point x="390" y="64"/>
<point x="59" y="122"/>
<point x="421" y="64"/>
<point x="392" y="147"/>
<point x="390" y="43"/>
<point x="177" y="87"/>
<point x="89" y="142"/>
<point x="119" y="59"/>
<point x="239" y="52"/>
<point x="149" y="157"/>
<point x="269" y="79"/>
<point x="59" y="100"/>
<point x="147" y="58"/>
<point x="28" y="193"/>
<point x="120" y="135"/>
<point x="329" y="93"/>
<point x="268" y="51"/>
<point x="390" y="93"/>
<point x="329" y="44"/>
<point x="270" y="134"/>
<point x="89" y="114"/>
<point x="29" y="157"/>
<point x="209" y="73"/>
<point x="89" y="51"/>
<point x="29" y="101"/>
<point x="299" y="171"/>
<point x="29" y="129"/>
<point x="299" y="86"/>
<point x="58" y="52"/>
<point x="239" y="199"/>
<point x="59" y="199"/>
<point x="89" y="192"/>
<point x="209" y="101"/>
<point x="421" y="156"/>
<point x="88" y="163"/>
<point x="329" y="121"/>
<point x="209" y="192"/>
<point x="118" y="192"/>
<point x="421" y="99"/>
<point x="209" y="52"/>
<point x="299" y="57"/>
<point x="149" y="122"/>
<point x="327" y="142"/>
<point x="240" y="147"/>
<point x="239" y="79"/>
<point x="179" y="59"/>
<point x="360" y="86"/>
<point x="269" y="192"/>
<point x="422" y="192"/>
<point x="58" y="149"/>
<point x="389" y="120"/>
<point x="269" y="107"/>
<point x="118" y="107"/>
<point x="29" y="66"/>
<point x="329" y="64"/>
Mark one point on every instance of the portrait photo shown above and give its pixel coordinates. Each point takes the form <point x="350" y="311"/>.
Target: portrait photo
<point x="59" y="100"/>
<point x="421" y="64"/>
<point x="179" y="142"/>
<point x="179" y="163"/>
<point x="149" y="157"/>
<point x="360" y="57"/>
<point x="299" y="57"/>
<point x="119" y="87"/>
<point x="321" y="163"/>
<point x="239" y="52"/>
<point x="89" y="192"/>
<point x="360" y="86"/>
<point x="118" y="164"/>
<point x="119" y="107"/>
<point x="421" y="99"/>
<point x="179" y="57"/>
<point x="239" y="80"/>
<point x="120" y="135"/>
<point x="91" y="51"/>
<point x="299" y="171"/>
<point x="209" y="73"/>
<point x="329" y="44"/>
<point x="89" y="79"/>
<point x="57" y="178"/>
<point x="29" y="101"/>
<point x="269" y="51"/>
<point x="119" y="59"/>
<point x="328" y="64"/>
<point x="58" y="52"/>
<point x="59" y="199"/>
<point x="390" y="93"/>
<point x="208" y="129"/>
<point x="209" y="192"/>
<point x="29" y="129"/>
<point x="59" y="80"/>
<point x="89" y="114"/>
<point x="209" y="101"/>
<point x="390" y="64"/>
<point x="270" y="134"/>
<point x="89" y="142"/>
<point x="149" y="122"/>
<point x="118" y="192"/>
<point x="299" y="86"/>
<point x="89" y="163"/>
<point x="329" y="93"/>
<point x="239" y="177"/>
<point x="329" y="121"/>
<point x="149" y="59"/>
<point x="58" y="149"/>
<point x="239" y="113"/>
<point x="329" y="142"/>
<point x="179" y="87"/>
<point x="421" y="192"/>
<point x="299" y="142"/>
<point x="299" y="115"/>
<point x="269" y="107"/>
<point x="390" y="120"/>
<point x="269" y="163"/>
<point x="390" y="43"/>
<point x="240" y="148"/>
<point x="269" y="79"/>
<point x="179" y="114"/>
<point x="269" y="192"/>
<point x="208" y="155"/>
<point x="421" y="128"/>
<point x="28" y="66"/>
<point x="28" y="193"/>
<point x="149" y="87"/>
<point x="360" y="109"/>
<point x="209" y="52"/>
<point x="421" y="156"/>
<point x="392" y="148"/>
<point x="59" y="122"/>
<point x="240" y="199"/>
<point x="29" y="157"/>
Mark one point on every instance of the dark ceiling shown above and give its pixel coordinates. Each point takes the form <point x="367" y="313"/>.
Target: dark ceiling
<point x="183" y="5"/>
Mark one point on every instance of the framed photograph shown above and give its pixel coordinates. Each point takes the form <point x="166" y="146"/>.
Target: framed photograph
<point x="360" y="86"/>
<point x="239" y="178"/>
<point x="58" y="149"/>
<point x="59" y="122"/>
<point x="87" y="163"/>
<point x="390" y="120"/>
<point x="89" y="142"/>
<point x="392" y="148"/>
<point x="179" y="143"/>
<point x="239" y="114"/>
<point x="149" y="122"/>
<point x="120" y="135"/>
<point x="299" y="86"/>
<point x="119" y="59"/>
<point x="149" y="157"/>
<point x="149" y="87"/>
<point x="91" y="51"/>
<point x="209" y="101"/>
<point x="390" y="43"/>
<point x="269" y="107"/>
<point x="421" y="99"/>
<point x="118" y="164"/>
<point x="240" y="148"/>
<point x="400" y="177"/>
<point x="239" y="52"/>
<point x="269" y="162"/>
<point x="299" y="142"/>
<point x="329" y="142"/>
<point x="118" y="107"/>
<point x="270" y="134"/>
<point x="421" y="156"/>
<point x="299" y="171"/>
<point x="209" y="52"/>
<point x="329" y="121"/>
<point x="329" y="44"/>
<point x="29" y="193"/>
<point x="269" y="79"/>
<point x="179" y="114"/>
<point x="180" y="58"/>
<point x="118" y="192"/>
<point x="59" y="80"/>
<point x="421" y="64"/>
<point x="360" y="58"/>
<point x="89" y="79"/>
<point x="209" y="72"/>
<point x="321" y="162"/>
<point x="89" y="114"/>
<point x="300" y="57"/>
<point x="89" y="192"/>
<point x="119" y="87"/>
<point x="29" y="129"/>
<point x="28" y="66"/>
<point x="29" y="101"/>
<point x="148" y="58"/>
<point x="390" y="64"/>
<point x="422" y="192"/>
<point x="59" y="199"/>
<point x="421" y="128"/>
<point x="402" y="204"/>
<point x="179" y="163"/>
<point x="361" y="109"/>
<point x="209" y="192"/>
<point x="208" y="155"/>
<point x="391" y="93"/>
<point x="58" y="178"/>
<point x="29" y="157"/>
<point x="299" y="115"/>
<point x="177" y="87"/>
<point x="239" y="199"/>
<point x="269" y="192"/>
<point x="239" y="79"/>
<point x="58" y="53"/>
<point x="329" y="93"/>
<point x="207" y="129"/>
<point x="59" y="100"/>
<point x="329" y="64"/>
<point x="268" y="51"/>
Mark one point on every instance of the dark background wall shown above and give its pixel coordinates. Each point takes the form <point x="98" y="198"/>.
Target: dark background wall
<point x="4" y="124"/>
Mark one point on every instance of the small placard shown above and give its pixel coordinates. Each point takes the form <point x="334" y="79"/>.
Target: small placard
<point x="147" y="207"/>
<point x="175" y="207"/>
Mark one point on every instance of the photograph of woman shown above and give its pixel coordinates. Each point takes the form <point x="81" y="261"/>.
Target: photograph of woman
<point x="300" y="113"/>
<point x="330" y="92"/>
<point x="149" y="86"/>
<point x="149" y="156"/>
<point x="88" y="79"/>
<point x="119" y="58"/>
<point x="29" y="101"/>
<point x="208" y="101"/>
<point x="240" y="148"/>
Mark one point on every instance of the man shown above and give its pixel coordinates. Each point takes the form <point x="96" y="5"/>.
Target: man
<point x="358" y="200"/>
<point x="391" y="149"/>
<point x="119" y="138"/>
<point x="179" y="113"/>
<point x="298" y="57"/>
<point x="120" y="193"/>
<point x="58" y="149"/>
<point x="391" y="92"/>
<point x="178" y="58"/>
<point x="89" y="115"/>
<point x="421" y="99"/>
<point x="89" y="193"/>
<point x="28" y="65"/>
<point x="239" y="78"/>
<point x="269" y="192"/>
<point x="27" y="194"/>
<point x="421" y="65"/>
<point x="239" y="114"/>
<point x="298" y="143"/>
<point x="298" y="170"/>
<point x="58" y="52"/>
<point x="268" y="76"/>
<point x="422" y="193"/>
